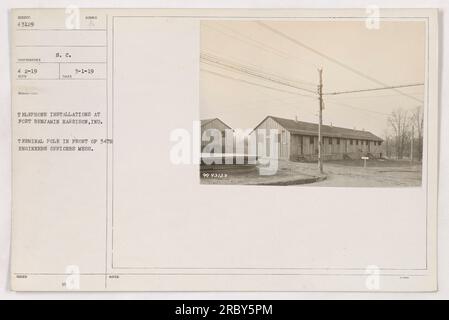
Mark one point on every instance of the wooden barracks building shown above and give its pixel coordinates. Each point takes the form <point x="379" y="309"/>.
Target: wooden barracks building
<point x="299" y="140"/>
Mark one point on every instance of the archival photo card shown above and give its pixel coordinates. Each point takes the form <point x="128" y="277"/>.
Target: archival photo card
<point x="182" y="150"/>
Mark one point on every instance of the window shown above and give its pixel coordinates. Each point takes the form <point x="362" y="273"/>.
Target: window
<point x="356" y="142"/>
<point x="351" y="142"/>
<point x="330" y="140"/>
<point x="338" y="140"/>
<point x="311" y="140"/>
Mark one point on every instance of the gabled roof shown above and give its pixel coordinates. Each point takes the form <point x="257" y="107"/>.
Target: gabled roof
<point x="206" y="121"/>
<point x="308" y="128"/>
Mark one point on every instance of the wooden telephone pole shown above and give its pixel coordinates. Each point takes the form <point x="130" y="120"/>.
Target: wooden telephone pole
<point x="320" y="122"/>
<point x="411" y="144"/>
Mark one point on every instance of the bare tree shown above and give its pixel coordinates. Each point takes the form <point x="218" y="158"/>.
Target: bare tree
<point x="418" y="123"/>
<point x="399" y="121"/>
<point x="387" y="145"/>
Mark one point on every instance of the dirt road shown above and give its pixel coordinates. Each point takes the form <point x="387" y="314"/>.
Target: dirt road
<point x="345" y="173"/>
<point x="387" y="173"/>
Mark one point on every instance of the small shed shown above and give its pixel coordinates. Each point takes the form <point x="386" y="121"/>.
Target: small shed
<point x="215" y="124"/>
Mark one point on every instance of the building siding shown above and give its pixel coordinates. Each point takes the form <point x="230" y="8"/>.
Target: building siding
<point x="218" y="125"/>
<point x="284" y="145"/>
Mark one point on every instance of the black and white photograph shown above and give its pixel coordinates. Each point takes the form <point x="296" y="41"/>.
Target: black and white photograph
<point x="319" y="103"/>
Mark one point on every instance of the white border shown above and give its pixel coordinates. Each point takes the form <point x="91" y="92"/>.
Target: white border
<point x="5" y="149"/>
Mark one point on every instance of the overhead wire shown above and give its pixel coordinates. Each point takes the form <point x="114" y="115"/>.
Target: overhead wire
<point x="261" y="75"/>
<point x="374" y="89"/>
<point x="327" y="57"/>
<point x="263" y="46"/>
<point x="256" y="84"/>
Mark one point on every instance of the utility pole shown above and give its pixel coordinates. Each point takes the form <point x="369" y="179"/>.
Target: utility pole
<point x="320" y="122"/>
<point x="411" y="144"/>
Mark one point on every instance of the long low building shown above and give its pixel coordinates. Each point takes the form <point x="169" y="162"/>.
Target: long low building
<point x="298" y="140"/>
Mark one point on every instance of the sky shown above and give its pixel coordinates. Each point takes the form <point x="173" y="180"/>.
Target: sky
<point x="394" y="54"/>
